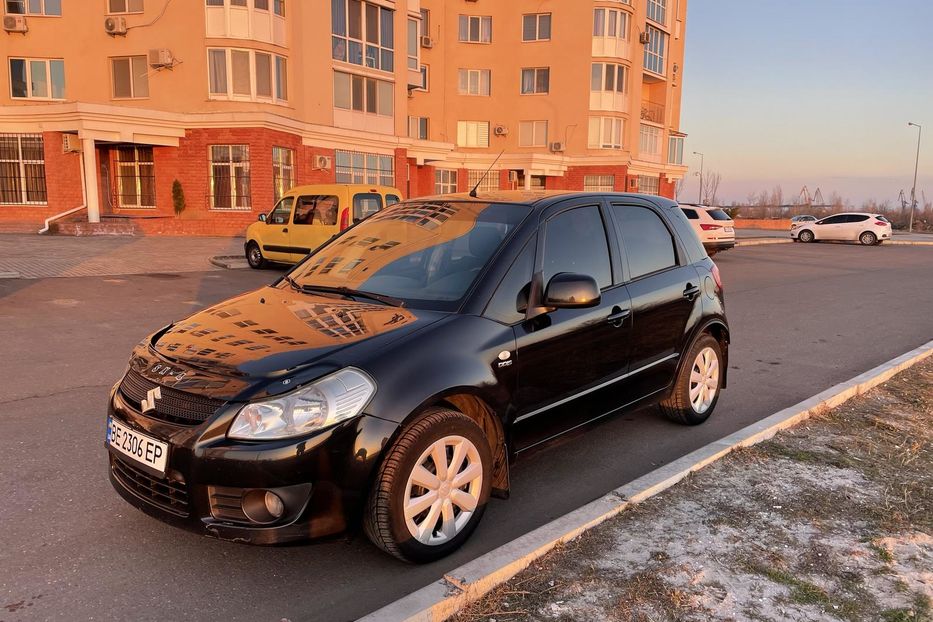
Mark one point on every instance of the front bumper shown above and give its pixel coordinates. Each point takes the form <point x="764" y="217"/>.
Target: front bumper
<point x="323" y="479"/>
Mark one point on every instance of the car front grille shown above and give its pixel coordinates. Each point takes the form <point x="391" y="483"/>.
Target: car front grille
<point x="174" y="406"/>
<point x="171" y="496"/>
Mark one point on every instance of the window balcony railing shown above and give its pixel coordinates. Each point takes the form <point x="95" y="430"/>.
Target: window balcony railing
<point x="652" y="112"/>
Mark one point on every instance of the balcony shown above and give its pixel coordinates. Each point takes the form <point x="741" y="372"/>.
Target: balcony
<point x="652" y="112"/>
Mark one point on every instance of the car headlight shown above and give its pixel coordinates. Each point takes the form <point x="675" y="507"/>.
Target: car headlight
<point x="332" y="399"/>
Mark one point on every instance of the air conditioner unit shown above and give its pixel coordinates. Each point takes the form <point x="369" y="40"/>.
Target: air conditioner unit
<point x="427" y="42"/>
<point x="161" y="57"/>
<point x="15" y="23"/>
<point x="644" y="38"/>
<point x="513" y="177"/>
<point x="71" y="143"/>
<point x="322" y="163"/>
<point x="500" y="130"/>
<point x="115" y="25"/>
<point x="557" y="147"/>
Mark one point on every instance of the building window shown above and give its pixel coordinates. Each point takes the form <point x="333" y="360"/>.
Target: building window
<point x="486" y="183"/>
<point x="657" y="11"/>
<point x="472" y="133"/>
<point x="37" y="78"/>
<point x="605" y="133"/>
<point x="675" y="150"/>
<point x="135" y="177"/>
<point x="536" y="27"/>
<point x="425" y="75"/>
<point x="413" y="44"/>
<point x="363" y="34"/>
<point x="283" y="171"/>
<point x="610" y="23"/>
<point x="599" y="183"/>
<point x="475" y="29"/>
<point x="418" y="128"/>
<point x="362" y="94"/>
<point x="34" y="7"/>
<point x="474" y="82"/>
<point x="246" y="75"/>
<point x="125" y="6"/>
<point x="654" y="51"/>
<point x="130" y="77"/>
<point x="532" y="133"/>
<point x="354" y="167"/>
<point x="649" y="140"/>
<point x="445" y="181"/>
<point x="22" y="170"/>
<point x="536" y="80"/>
<point x="648" y="184"/>
<point x="608" y="77"/>
<point x="426" y="22"/>
<point x="230" y="186"/>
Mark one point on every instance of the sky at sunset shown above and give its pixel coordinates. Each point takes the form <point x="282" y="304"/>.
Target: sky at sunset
<point x="809" y="92"/>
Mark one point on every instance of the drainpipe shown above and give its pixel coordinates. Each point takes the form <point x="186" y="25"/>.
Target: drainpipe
<point x="51" y="219"/>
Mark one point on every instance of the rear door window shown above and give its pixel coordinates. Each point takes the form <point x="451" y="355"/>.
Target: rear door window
<point x="320" y="209"/>
<point x="856" y="218"/>
<point x="365" y="205"/>
<point x="575" y="241"/>
<point x="718" y="214"/>
<point x="647" y="243"/>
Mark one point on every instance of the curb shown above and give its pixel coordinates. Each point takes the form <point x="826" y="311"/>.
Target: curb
<point x="10" y="275"/>
<point x="468" y="583"/>
<point x="761" y="241"/>
<point x="230" y="262"/>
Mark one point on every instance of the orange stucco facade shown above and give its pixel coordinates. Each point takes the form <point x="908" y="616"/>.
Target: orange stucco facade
<point x="236" y="99"/>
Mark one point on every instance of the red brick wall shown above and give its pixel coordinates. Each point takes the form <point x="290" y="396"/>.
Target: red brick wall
<point x="574" y="177"/>
<point x="666" y="187"/>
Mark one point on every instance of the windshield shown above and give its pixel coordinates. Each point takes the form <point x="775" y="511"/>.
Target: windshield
<point x="427" y="254"/>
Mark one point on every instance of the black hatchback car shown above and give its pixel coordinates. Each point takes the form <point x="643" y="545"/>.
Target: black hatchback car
<point x="390" y="378"/>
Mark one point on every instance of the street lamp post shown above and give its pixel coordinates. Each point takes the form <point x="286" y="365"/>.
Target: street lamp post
<point x="913" y="190"/>
<point x="700" y="191"/>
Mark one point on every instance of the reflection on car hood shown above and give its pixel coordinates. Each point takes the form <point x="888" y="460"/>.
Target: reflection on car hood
<point x="270" y="331"/>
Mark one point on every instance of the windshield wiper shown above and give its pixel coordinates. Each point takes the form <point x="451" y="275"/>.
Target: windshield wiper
<point x="353" y="293"/>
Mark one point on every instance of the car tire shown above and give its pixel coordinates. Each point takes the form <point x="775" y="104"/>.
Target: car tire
<point x="254" y="256"/>
<point x="868" y="239"/>
<point x="806" y="236"/>
<point x="687" y="403"/>
<point x="397" y="485"/>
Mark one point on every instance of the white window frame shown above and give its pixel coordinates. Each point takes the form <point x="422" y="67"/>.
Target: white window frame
<point x="283" y="171"/>
<point x="21" y="168"/>
<point x="483" y="29"/>
<point x="419" y="127"/>
<point x="473" y="134"/>
<point x="233" y="167"/>
<point x="538" y="17"/>
<point x="599" y="183"/>
<point x="657" y="11"/>
<point x="414" y="44"/>
<point x="535" y="71"/>
<point x="129" y="7"/>
<point x="134" y="168"/>
<point x="445" y="180"/>
<point x="48" y="75"/>
<point x="489" y="184"/>
<point x="536" y="130"/>
<point x="357" y="167"/>
<point x="675" y="150"/>
<point x="277" y="77"/>
<point x="602" y="127"/>
<point x="656" y="50"/>
<point x="27" y="10"/>
<point x="384" y="95"/>
<point x="614" y="23"/>
<point x="468" y="78"/>
<point x="649" y="184"/>
<point x="616" y="70"/>
<point x="381" y="47"/>
<point x="134" y="87"/>
<point x="649" y="139"/>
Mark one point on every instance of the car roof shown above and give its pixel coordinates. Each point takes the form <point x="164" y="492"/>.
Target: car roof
<point x="698" y="205"/>
<point x="536" y="197"/>
<point x="325" y="188"/>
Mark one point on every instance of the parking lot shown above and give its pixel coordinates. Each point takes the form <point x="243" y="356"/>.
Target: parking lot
<point x="803" y="318"/>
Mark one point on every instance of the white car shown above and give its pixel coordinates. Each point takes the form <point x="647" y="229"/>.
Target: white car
<point x="864" y="227"/>
<point x="713" y="226"/>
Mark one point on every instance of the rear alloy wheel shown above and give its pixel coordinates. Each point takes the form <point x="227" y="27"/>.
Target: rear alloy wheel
<point x="868" y="238"/>
<point x="805" y="236"/>
<point x="254" y="256"/>
<point x="696" y="389"/>
<point x="432" y="488"/>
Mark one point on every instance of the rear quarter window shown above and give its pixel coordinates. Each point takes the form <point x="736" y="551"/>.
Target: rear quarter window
<point x="690" y="213"/>
<point x="718" y="214"/>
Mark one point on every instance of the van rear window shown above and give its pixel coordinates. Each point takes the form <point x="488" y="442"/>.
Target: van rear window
<point x="718" y="214"/>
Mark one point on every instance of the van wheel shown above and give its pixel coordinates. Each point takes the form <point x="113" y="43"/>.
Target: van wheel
<point x="868" y="238"/>
<point x="431" y="489"/>
<point x="696" y="389"/>
<point x="805" y="236"/>
<point x="254" y="256"/>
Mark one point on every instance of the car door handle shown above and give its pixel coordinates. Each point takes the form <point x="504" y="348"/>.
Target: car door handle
<point x="618" y="316"/>
<point x="285" y="230"/>
<point x="691" y="292"/>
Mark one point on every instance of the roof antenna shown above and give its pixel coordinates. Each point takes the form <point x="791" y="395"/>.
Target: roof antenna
<point x="483" y="178"/>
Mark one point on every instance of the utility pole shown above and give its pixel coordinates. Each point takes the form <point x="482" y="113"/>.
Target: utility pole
<point x="700" y="191"/>
<point x="913" y="190"/>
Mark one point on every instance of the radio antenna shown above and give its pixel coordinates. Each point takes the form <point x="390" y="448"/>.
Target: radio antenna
<point x="483" y="178"/>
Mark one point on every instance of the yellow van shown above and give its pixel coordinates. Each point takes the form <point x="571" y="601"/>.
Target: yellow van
<point x="308" y="216"/>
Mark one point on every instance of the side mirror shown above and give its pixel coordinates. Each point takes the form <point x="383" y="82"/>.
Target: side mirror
<point x="262" y="218"/>
<point x="567" y="290"/>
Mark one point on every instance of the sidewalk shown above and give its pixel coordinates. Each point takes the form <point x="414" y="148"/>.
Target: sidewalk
<point x="35" y="257"/>
<point x="831" y="520"/>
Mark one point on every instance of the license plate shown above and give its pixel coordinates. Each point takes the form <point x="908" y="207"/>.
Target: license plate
<point x="729" y="230"/>
<point x="139" y="447"/>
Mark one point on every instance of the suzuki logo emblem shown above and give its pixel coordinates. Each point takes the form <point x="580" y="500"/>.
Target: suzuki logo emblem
<point x="151" y="396"/>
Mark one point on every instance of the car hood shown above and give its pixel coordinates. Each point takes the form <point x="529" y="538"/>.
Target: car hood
<point x="233" y="349"/>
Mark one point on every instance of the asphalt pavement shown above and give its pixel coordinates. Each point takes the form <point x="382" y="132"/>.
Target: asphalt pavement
<point x="803" y="317"/>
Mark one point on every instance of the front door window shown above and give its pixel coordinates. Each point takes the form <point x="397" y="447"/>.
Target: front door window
<point x="282" y="212"/>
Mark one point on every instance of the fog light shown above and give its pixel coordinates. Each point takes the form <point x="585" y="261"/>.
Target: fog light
<point x="274" y="505"/>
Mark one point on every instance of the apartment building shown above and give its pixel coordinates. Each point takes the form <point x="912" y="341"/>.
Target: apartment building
<point x="194" y="116"/>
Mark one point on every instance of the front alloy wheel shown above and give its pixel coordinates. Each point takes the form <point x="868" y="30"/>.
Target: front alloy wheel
<point x="805" y="236"/>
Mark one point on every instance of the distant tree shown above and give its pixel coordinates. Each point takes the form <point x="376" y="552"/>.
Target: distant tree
<point x="679" y="187"/>
<point x="710" y="188"/>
